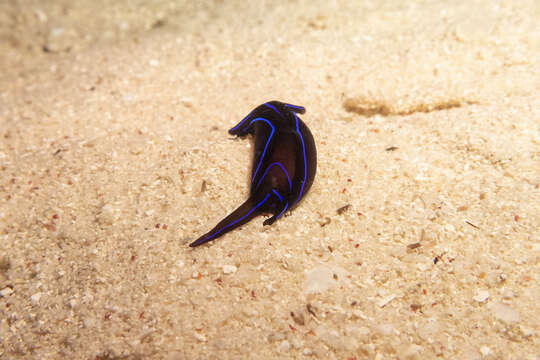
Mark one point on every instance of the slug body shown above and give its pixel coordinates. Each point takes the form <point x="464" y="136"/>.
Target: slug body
<point x="284" y="165"/>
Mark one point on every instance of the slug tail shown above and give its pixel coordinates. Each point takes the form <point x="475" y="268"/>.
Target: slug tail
<point x="244" y="213"/>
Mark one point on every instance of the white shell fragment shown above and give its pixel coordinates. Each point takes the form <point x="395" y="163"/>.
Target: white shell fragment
<point x="318" y="280"/>
<point x="229" y="269"/>
<point x="481" y="296"/>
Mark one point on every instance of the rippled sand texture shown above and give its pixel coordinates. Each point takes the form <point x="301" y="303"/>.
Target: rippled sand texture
<point x="419" y="239"/>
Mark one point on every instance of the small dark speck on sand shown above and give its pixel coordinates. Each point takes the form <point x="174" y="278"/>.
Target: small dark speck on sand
<point x="342" y="209"/>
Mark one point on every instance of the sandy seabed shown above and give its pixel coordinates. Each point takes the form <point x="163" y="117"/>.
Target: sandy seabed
<point x="419" y="239"/>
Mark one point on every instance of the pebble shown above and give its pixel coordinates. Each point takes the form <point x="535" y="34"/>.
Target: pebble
<point x="229" y="269"/>
<point x="284" y="346"/>
<point x="275" y="336"/>
<point x="6" y="291"/>
<point x="4" y="263"/>
<point x="55" y="32"/>
<point x="298" y="317"/>
<point x="40" y="14"/>
<point x="72" y="303"/>
<point x="200" y="337"/>
<point x="525" y="330"/>
<point x="35" y="298"/>
<point x="60" y="39"/>
<point x="411" y="352"/>
<point x="330" y="337"/>
<point x="485" y="351"/>
<point x="296" y="343"/>
<point x="384" y="329"/>
<point x="504" y="312"/>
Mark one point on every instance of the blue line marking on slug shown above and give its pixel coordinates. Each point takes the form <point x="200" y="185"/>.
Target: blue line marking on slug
<point x="266" y="146"/>
<point x="241" y="122"/>
<point x="305" y="160"/>
<point x="234" y="222"/>
<point x="276" y="110"/>
<point x="300" y="108"/>
<point x="285" y="171"/>
<point x="277" y="194"/>
<point x="282" y="211"/>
